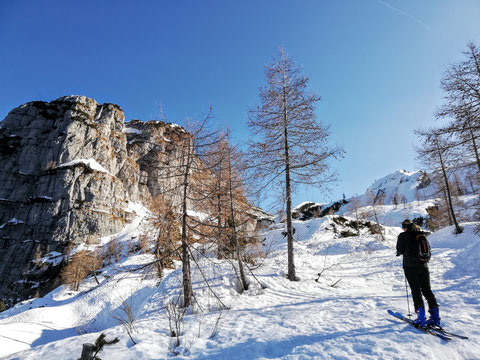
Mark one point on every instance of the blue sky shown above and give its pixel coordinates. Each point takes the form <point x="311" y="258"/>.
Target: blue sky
<point x="376" y="63"/>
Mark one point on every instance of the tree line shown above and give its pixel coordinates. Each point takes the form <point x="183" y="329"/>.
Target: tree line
<point x="289" y="148"/>
<point x="451" y="148"/>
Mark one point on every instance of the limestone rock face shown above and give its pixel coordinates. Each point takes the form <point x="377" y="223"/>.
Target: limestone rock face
<point x="154" y="147"/>
<point x="68" y="170"/>
<point x="63" y="166"/>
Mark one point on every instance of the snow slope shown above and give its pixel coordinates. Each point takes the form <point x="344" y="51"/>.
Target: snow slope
<point x="341" y="314"/>
<point x="391" y="215"/>
<point x="411" y="185"/>
<point x="413" y="197"/>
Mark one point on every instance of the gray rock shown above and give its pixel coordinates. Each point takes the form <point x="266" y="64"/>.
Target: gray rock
<point x="68" y="169"/>
<point x="50" y="182"/>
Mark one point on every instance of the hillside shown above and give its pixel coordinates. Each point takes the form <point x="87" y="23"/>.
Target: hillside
<point x="341" y="314"/>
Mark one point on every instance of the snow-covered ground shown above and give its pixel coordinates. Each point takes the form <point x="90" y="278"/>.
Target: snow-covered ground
<point x="341" y="314"/>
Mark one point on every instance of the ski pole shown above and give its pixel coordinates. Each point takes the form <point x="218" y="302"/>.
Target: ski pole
<point x="408" y="302"/>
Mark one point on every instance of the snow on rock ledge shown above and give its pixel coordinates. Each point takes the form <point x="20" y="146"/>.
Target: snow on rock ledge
<point x="90" y="163"/>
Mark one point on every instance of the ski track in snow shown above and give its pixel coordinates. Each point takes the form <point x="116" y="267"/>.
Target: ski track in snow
<point x="305" y="319"/>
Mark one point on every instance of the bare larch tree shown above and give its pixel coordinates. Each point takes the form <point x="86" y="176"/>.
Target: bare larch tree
<point x="193" y="189"/>
<point x="238" y="204"/>
<point x="230" y="203"/>
<point x="290" y="148"/>
<point x="438" y="155"/>
<point x="461" y="86"/>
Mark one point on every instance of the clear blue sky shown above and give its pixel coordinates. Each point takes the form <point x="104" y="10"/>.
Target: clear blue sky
<point x="376" y="63"/>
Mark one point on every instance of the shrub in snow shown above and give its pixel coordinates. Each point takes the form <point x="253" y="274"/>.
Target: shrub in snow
<point x="126" y="317"/>
<point x="80" y="265"/>
<point x="175" y="315"/>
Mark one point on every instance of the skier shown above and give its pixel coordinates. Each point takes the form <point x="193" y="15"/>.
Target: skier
<point x="417" y="274"/>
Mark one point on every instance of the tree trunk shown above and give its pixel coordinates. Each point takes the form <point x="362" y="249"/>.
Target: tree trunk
<point x="475" y="149"/>
<point x="243" y="278"/>
<point x="219" y="220"/>
<point x="87" y="352"/>
<point x="450" y="222"/>
<point x="356" y="217"/>
<point x="471" y="185"/>
<point x="187" y="279"/>
<point x="288" y="190"/>
<point x="378" y="224"/>
<point x="95" y="276"/>
<point x="158" y="262"/>
<point x="458" y="229"/>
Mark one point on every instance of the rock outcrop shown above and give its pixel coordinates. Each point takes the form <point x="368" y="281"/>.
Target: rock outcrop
<point x="59" y="183"/>
<point x="68" y="170"/>
<point x="308" y="210"/>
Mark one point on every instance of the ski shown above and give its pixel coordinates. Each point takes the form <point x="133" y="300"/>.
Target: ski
<point x="447" y="333"/>
<point x="421" y="328"/>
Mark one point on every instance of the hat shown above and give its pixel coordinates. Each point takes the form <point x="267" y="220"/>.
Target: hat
<point x="407" y="224"/>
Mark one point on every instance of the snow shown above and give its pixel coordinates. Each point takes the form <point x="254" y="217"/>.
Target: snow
<point x="197" y="214"/>
<point x="132" y="131"/>
<point x="12" y="221"/>
<point x="176" y="126"/>
<point x="129" y="233"/>
<point x="302" y="204"/>
<point x="53" y="258"/>
<point x="398" y="184"/>
<point x="340" y="315"/>
<point x="391" y="215"/>
<point x="45" y="197"/>
<point x="299" y="206"/>
<point x="15" y="221"/>
<point x="91" y="163"/>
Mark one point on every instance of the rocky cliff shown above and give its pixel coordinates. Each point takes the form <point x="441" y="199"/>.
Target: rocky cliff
<point x="68" y="169"/>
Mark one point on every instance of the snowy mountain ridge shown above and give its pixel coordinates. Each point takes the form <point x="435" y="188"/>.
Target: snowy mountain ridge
<point x="401" y="184"/>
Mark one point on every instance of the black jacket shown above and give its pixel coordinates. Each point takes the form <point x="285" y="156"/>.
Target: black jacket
<point x="403" y="241"/>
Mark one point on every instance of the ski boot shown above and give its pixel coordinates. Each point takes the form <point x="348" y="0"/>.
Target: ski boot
<point x="434" y="319"/>
<point x="420" y="320"/>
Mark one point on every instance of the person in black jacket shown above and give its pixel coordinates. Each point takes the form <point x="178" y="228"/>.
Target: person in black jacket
<point x="417" y="274"/>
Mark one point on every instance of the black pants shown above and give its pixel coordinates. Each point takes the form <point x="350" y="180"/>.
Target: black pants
<point x="419" y="281"/>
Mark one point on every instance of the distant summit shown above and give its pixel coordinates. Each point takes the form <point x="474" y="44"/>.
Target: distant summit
<point x="399" y="186"/>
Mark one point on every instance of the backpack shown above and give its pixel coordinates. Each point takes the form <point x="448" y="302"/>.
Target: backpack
<point x="419" y="248"/>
